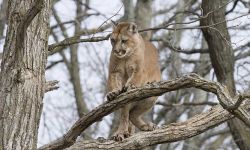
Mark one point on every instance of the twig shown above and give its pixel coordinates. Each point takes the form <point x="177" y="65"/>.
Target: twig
<point x="107" y="20"/>
<point x="52" y="64"/>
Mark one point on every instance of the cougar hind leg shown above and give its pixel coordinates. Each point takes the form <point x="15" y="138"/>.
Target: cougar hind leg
<point x="135" y="114"/>
<point x="123" y="129"/>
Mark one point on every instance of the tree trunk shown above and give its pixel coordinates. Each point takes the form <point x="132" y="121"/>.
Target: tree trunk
<point x="22" y="79"/>
<point x="74" y="69"/>
<point x="144" y="21"/>
<point x="222" y="59"/>
<point x="129" y="13"/>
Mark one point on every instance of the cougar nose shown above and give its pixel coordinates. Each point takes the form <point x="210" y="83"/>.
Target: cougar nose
<point x="117" y="50"/>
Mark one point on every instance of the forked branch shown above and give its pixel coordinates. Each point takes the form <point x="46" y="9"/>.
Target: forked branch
<point x="170" y="133"/>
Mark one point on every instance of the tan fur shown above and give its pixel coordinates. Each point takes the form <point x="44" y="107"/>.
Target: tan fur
<point x="133" y="63"/>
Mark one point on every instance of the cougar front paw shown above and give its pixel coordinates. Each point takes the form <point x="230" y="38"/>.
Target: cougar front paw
<point x="112" y="95"/>
<point x="120" y="136"/>
<point x="148" y="127"/>
<point x="130" y="87"/>
<point x="150" y="82"/>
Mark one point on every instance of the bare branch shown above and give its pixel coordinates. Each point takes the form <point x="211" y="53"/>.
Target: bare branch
<point x="166" y="27"/>
<point x="74" y="40"/>
<point x="51" y="85"/>
<point x="149" y="90"/>
<point x="52" y="64"/>
<point x="234" y="6"/>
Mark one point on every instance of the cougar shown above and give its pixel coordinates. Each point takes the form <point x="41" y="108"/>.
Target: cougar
<point x="133" y="63"/>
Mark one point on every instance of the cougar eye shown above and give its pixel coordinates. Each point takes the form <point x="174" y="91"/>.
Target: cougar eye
<point x="112" y="41"/>
<point x="124" y="41"/>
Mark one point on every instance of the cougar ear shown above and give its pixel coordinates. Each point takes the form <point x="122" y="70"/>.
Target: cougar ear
<point x="132" y="28"/>
<point x="114" y="23"/>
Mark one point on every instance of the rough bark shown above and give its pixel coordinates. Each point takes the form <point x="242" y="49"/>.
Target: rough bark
<point x="222" y="59"/>
<point x="149" y="90"/>
<point x="22" y="77"/>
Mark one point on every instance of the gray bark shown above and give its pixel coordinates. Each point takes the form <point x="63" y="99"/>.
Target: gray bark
<point x="222" y="59"/>
<point x="22" y="77"/>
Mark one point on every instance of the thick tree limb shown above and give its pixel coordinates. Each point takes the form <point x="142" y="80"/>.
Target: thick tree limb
<point x="156" y="89"/>
<point x="170" y="133"/>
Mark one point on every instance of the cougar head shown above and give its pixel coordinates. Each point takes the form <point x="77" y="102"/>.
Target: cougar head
<point x="124" y="39"/>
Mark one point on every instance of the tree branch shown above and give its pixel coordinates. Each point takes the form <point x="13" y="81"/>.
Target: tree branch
<point x="51" y="85"/>
<point x="26" y="20"/>
<point x="52" y="64"/>
<point x="170" y="133"/>
<point x="157" y="89"/>
<point x="53" y="48"/>
<point x="29" y="16"/>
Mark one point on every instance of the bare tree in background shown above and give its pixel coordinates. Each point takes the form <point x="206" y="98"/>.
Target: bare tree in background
<point x="222" y="58"/>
